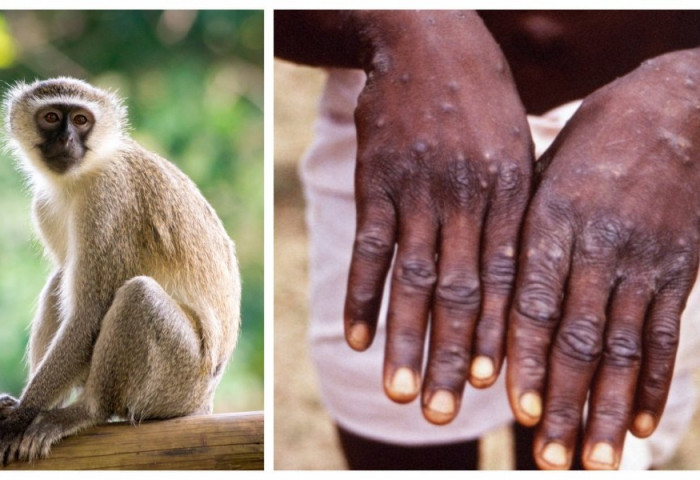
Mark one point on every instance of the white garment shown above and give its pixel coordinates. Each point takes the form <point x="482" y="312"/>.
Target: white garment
<point x="351" y="382"/>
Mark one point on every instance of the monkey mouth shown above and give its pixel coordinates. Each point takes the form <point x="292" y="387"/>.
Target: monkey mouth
<point x="60" y="162"/>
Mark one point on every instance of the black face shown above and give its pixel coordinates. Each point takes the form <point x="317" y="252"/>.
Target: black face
<point x="64" y="130"/>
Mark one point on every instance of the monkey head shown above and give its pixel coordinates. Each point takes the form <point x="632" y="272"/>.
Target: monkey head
<point x="63" y="126"/>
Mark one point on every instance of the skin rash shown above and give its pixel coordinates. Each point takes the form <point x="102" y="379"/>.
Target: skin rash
<point x="588" y="257"/>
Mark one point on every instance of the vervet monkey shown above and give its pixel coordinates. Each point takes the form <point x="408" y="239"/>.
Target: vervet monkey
<point x="142" y="309"/>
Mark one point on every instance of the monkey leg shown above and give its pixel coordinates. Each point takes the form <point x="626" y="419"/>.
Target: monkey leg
<point x="146" y="363"/>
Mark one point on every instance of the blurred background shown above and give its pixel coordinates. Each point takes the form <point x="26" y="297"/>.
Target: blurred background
<point x="193" y="84"/>
<point x="305" y="437"/>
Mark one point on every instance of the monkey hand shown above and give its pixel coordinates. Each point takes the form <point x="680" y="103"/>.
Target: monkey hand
<point x="609" y="255"/>
<point x="12" y="428"/>
<point x="40" y="436"/>
<point x="443" y="172"/>
<point x="7" y="404"/>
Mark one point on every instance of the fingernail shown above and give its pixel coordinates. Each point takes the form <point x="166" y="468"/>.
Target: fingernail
<point x="482" y="368"/>
<point x="358" y="337"/>
<point x="644" y="424"/>
<point x="404" y="385"/>
<point x="441" y="408"/>
<point x="555" y="455"/>
<point x="602" y="454"/>
<point x="531" y="405"/>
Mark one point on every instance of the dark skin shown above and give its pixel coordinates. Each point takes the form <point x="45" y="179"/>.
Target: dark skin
<point x="64" y="129"/>
<point x="608" y="251"/>
<point x="427" y="189"/>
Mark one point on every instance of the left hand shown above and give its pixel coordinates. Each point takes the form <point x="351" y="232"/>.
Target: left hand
<point x="609" y="255"/>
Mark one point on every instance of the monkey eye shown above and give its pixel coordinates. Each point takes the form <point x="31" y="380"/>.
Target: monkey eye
<point x="51" y="117"/>
<point x="80" y="120"/>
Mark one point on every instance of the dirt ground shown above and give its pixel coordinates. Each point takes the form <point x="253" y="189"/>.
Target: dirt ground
<point x="304" y="438"/>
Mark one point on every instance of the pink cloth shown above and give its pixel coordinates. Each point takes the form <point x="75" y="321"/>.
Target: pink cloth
<point x="351" y="382"/>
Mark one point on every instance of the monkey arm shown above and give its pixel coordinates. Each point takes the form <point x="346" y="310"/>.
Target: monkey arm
<point x="66" y="360"/>
<point x="46" y="321"/>
<point x="86" y="292"/>
<point x="63" y="365"/>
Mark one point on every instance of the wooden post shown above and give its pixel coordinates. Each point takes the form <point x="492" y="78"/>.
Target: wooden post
<point x="207" y="442"/>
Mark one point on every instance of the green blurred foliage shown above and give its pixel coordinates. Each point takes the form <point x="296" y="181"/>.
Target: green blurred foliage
<point x="193" y="83"/>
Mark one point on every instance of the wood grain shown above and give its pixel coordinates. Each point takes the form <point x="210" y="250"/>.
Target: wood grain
<point x="232" y="441"/>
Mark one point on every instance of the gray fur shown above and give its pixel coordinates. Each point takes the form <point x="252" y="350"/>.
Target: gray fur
<point x="142" y="310"/>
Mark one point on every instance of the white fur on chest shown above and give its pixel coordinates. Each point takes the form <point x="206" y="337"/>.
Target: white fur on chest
<point x="54" y="219"/>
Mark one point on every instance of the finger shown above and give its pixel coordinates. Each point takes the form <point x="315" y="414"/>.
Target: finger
<point x="544" y="266"/>
<point x="498" y="264"/>
<point x="660" y="343"/>
<point x="455" y="310"/>
<point x="371" y="259"/>
<point x="412" y="284"/>
<point x="574" y="357"/>
<point x="612" y="399"/>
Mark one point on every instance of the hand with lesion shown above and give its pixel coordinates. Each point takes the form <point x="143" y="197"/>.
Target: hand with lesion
<point x="442" y="181"/>
<point x="609" y="255"/>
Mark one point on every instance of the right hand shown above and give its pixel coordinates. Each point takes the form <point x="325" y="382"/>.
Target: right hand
<point x="7" y="404"/>
<point x="443" y="172"/>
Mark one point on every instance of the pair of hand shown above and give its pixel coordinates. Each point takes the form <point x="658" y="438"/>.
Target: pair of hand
<point x="603" y="237"/>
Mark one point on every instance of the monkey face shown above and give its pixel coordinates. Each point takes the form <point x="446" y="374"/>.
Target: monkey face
<point x="64" y="129"/>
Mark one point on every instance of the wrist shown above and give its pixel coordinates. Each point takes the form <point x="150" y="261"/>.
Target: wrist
<point x="390" y="39"/>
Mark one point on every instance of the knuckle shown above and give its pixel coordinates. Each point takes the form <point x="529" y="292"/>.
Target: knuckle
<point x="533" y="367"/>
<point x="563" y="412"/>
<point x="362" y="301"/>
<point x="603" y="236"/>
<point x="461" y="292"/>
<point x="463" y="184"/>
<point x="373" y="243"/>
<point x="656" y="382"/>
<point x="622" y="349"/>
<point x="681" y="268"/>
<point x="580" y="339"/>
<point x="537" y="303"/>
<point x="450" y="361"/>
<point x="499" y="271"/>
<point x="416" y="273"/>
<point x="662" y="338"/>
<point x="612" y="413"/>
<point x="512" y="179"/>
<point x="490" y="333"/>
<point x="406" y="340"/>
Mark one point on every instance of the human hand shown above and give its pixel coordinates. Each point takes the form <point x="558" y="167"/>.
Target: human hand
<point x="443" y="173"/>
<point x="609" y="255"/>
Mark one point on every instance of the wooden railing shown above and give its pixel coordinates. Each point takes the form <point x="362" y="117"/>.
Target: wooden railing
<point x="208" y="442"/>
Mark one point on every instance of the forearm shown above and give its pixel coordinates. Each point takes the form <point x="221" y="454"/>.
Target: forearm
<point x="317" y="38"/>
<point x="46" y="321"/>
<point x="65" y="361"/>
<point x="68" y="355"/>
<point x="361" y="38"/>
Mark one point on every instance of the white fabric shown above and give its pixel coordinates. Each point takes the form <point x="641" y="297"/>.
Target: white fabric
<point x="351" y="382"/>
